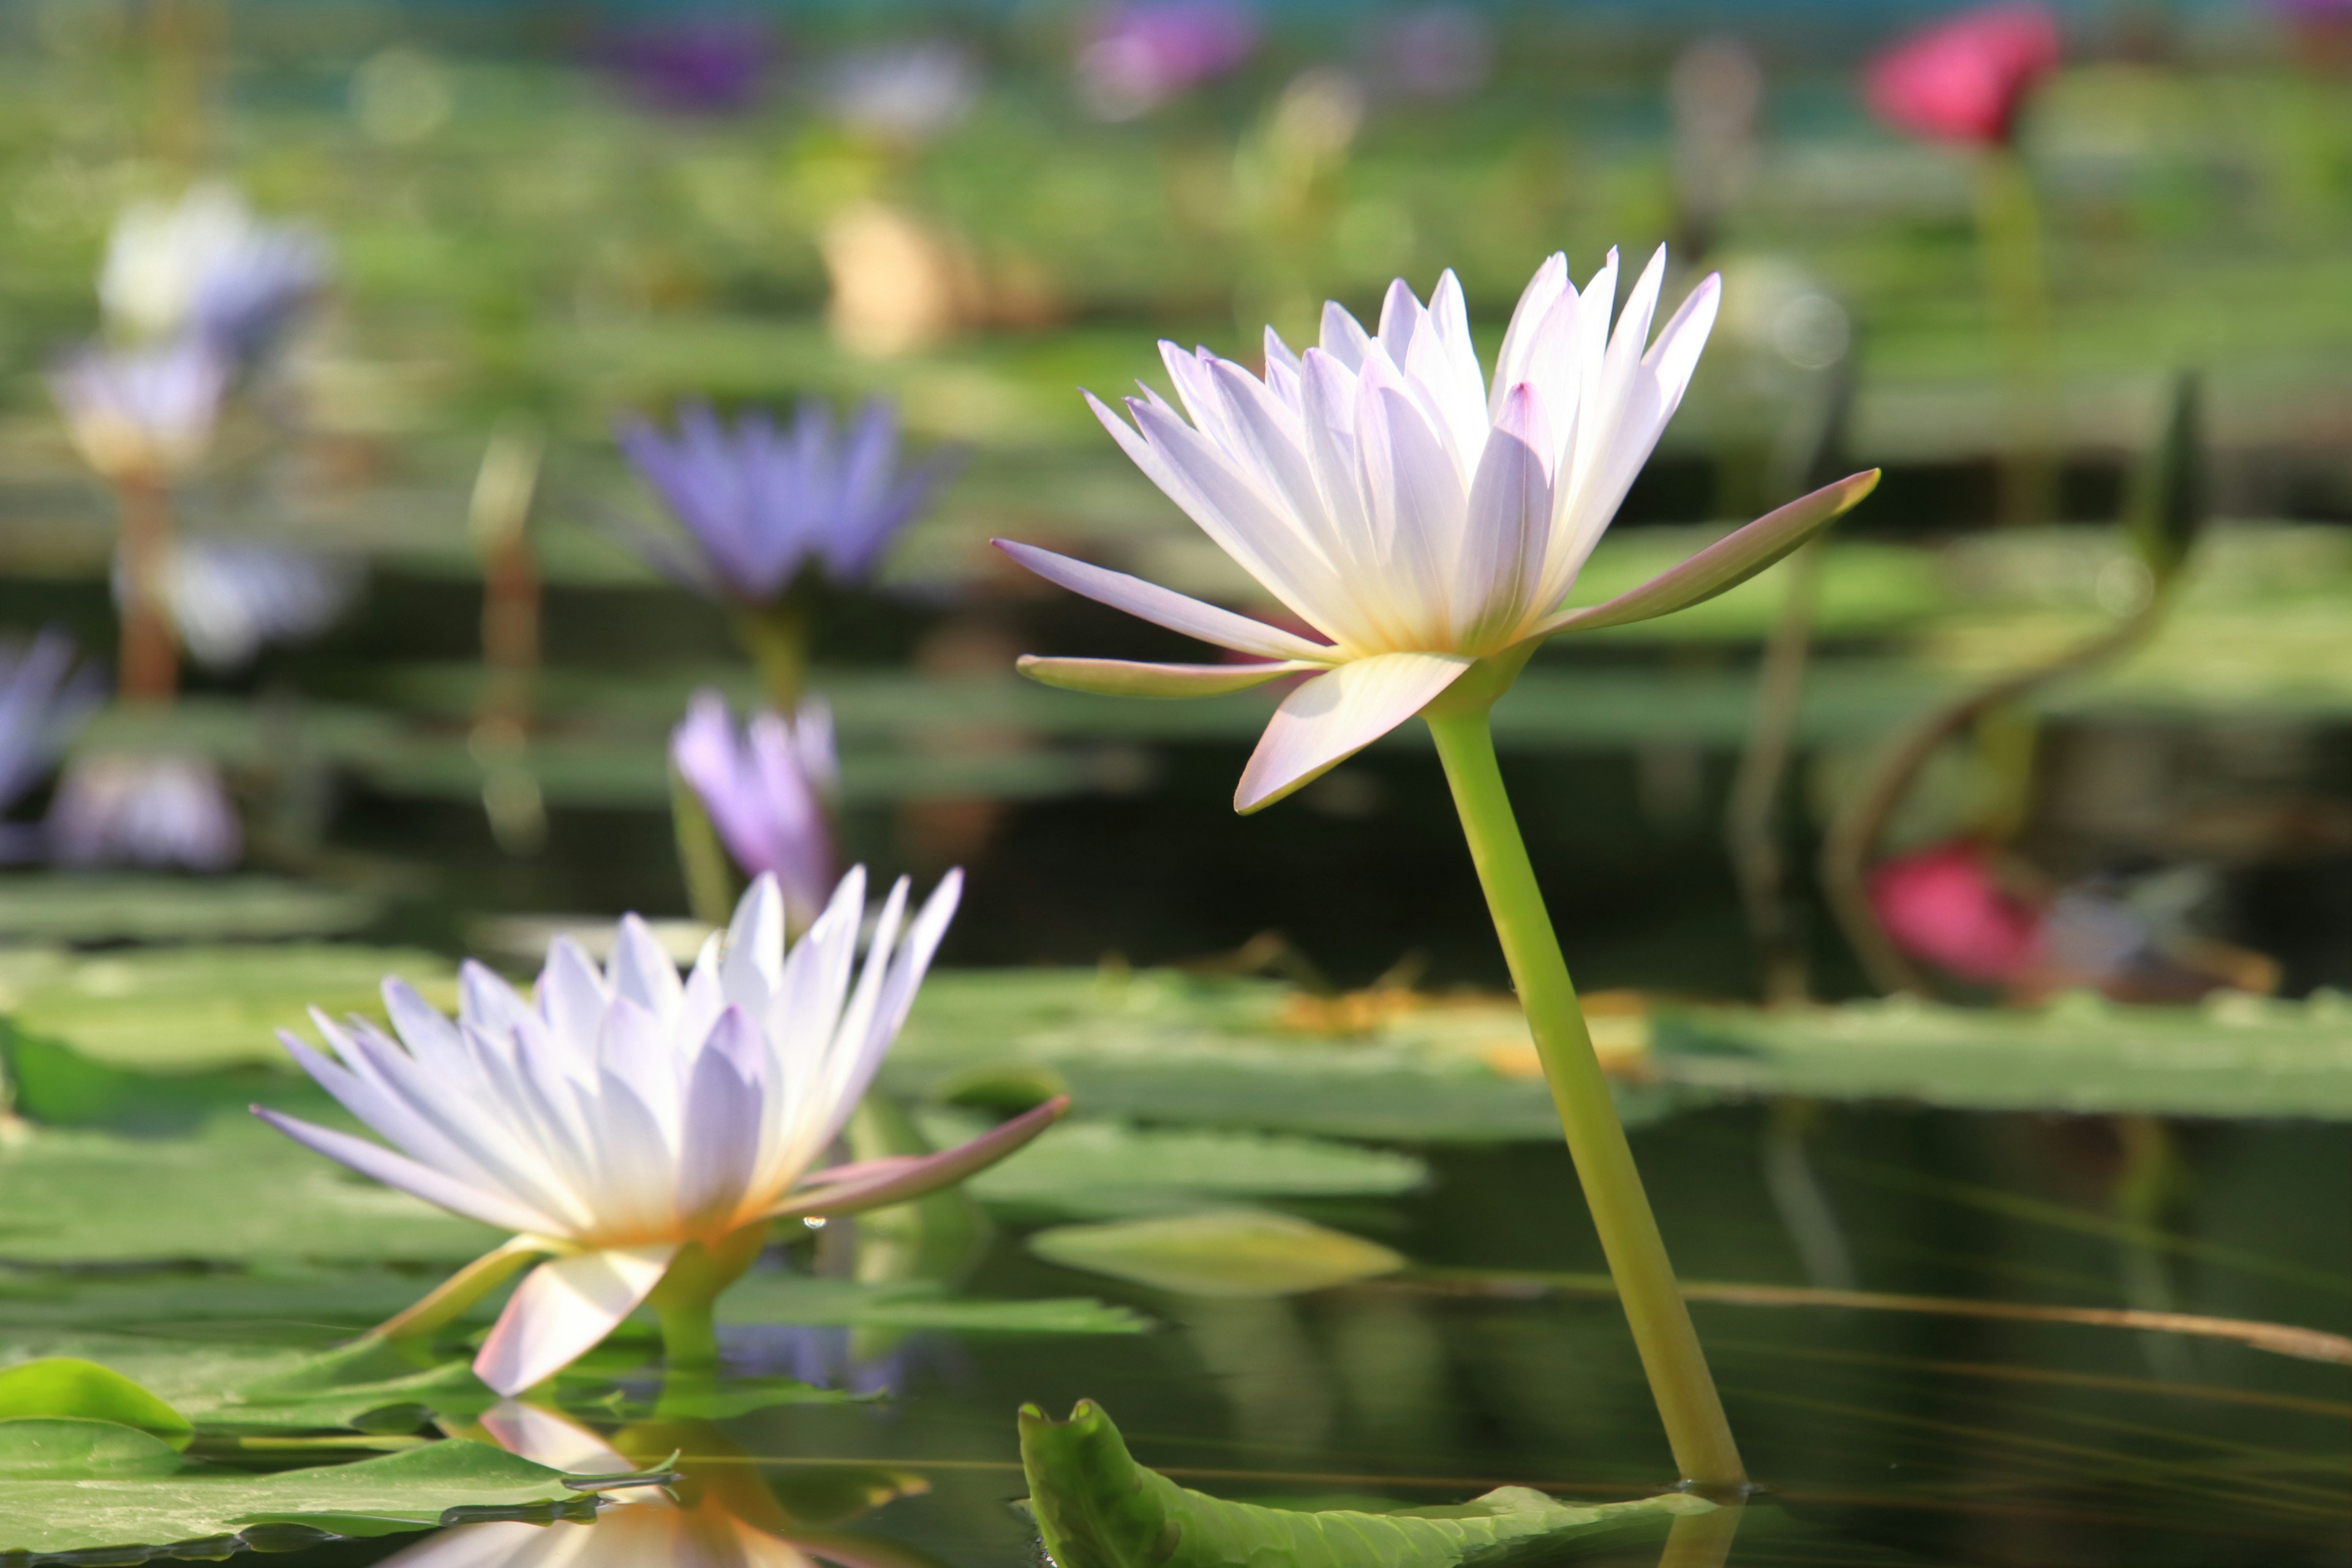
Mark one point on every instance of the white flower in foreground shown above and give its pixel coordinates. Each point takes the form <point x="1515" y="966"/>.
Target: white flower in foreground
<point x="1419" y="515"/>
<point x="625" y="1121"/>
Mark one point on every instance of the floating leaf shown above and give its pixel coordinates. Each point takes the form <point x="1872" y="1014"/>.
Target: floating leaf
<point x="1107" y="1168"/>
<point x="1097" y="1508"/>
<point x="224" y="1510"/>
<point x="1221" y="1252"/>
<point x="776" y="1297"/>
<point x="59" y="1449"/>
<point x="180" y="1008"/>
<point x="68" y="1387"/>
<point x="86" y="908"/>
<point x="2234" y="1056"/>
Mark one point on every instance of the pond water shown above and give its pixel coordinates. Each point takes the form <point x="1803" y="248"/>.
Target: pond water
<point x="1881" y="1435"/>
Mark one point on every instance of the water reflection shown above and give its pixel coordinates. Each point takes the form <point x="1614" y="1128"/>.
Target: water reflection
<point x="719" y="1513"/>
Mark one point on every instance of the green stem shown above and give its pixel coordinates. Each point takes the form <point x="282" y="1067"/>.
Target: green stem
<point x="2017" y="279"/>
<point x="709" y="874"/>
<point x="1669" y="1347"/>
<point x="687" y="1299"/>
<point x="777" y="637"/>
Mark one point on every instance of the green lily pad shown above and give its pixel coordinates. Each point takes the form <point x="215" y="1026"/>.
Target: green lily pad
<point x="1164" y="1046"/>
<point x="184" y="1008"/>
<point x="80" y="908"/>
<point x="2235" y="1056"/>
<point x="224" y="1510"/>
<point x="1220" y="1252"/>
<point x="1109" y="1168"/>
<point x="775" y="1297"/>
<point x="69" y="1388"/>
<point x="1097" y="1508"/>
<point x="236" y="1190"/>
<point x="61" y="1449"/>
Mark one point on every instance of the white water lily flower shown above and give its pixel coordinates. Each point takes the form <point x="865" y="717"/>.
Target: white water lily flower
<point x="624" y="1121"/>
<point x="1418" y="515"/>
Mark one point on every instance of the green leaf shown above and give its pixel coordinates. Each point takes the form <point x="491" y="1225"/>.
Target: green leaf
<point x="181" y="1008"/>
<point x="58" y="1449"/>
<point x="1110" y="1168"/>
<point x="1220" y="1252"/>
<point x="775" y="1297"/>
<point x="236" y="1190"/>
<point x="409" y="1490"/>
<point x="2234" y="1055"/>
<point x="81" y="907"/>
<point x="1097" y="1508"/>
<point x="366" y="1387"/>
<point x="69" y="1387"/>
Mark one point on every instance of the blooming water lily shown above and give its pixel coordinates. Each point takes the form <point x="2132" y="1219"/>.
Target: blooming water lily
<point x="127" y="809"/>
<point x="767" y="791"/>
<point x="206" y="267"/>
<point x="638" y="1132"/>
<point x="1420" y="515"/>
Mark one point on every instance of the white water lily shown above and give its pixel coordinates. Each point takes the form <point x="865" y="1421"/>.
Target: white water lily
<point x="634" y="1130"/>
<point x="1418" y="515"/>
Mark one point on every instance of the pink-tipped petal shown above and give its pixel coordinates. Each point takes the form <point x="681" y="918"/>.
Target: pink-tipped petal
<point x="1336" y="715"/>
<point x="1127" y="677"/>
<point x="1164" y="606"/>
<point x="564" y="1310"/>
<point x="894" y="1183"/>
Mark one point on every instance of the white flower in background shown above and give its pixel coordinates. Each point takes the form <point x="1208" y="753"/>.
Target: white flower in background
<point x="206" y="266"/>
<point x="141" y="414"/>
<point x="129" y="810"/>
<point x="903" y="92"/>
<point x="43" y="700"/>
<point x="228" y="598"/>
<point x="767" y="792"/>
<point x="1417" y="514"/>
<point x="624" y="1119"/>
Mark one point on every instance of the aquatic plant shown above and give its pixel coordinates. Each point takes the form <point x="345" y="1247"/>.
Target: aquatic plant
<point x="1430" y="523"/>
<point x="1143" y="55"/>
<point x="143" y="413"/>
<point x="638" y="1134"/>
<point x="229" y="598"/>
<point x="204" y="267"/>
<point x="43" y="700"/>
<point x="767" y="791"/>
<point x="130" y="809"/>
<point x="764" y="507"/>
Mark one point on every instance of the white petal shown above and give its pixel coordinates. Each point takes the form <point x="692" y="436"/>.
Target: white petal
<point x="564" y="1310"/>
<point x="1510" y="522"/>
<point x="1128" y="678"/>
<point x="486" y="1000"/>
<point x="1416" y="496"/>
<point x="380" y="1163"/>
<point x="1343" y="338"/>
<point x="725" y="1106"/>
<point x="642" y="971"/>
<point x="1447" y="362"/>
<point x="571" y="992"/>
<point x="1543" y="291"/>
<point x="1165" y="607"/>
<point x="753" y="965"/>
<point x="1334" y="716"/>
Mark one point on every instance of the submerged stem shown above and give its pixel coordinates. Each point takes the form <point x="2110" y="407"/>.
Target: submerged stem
<point x="686" y="1301"/>
<point x="1669" y="1347"/>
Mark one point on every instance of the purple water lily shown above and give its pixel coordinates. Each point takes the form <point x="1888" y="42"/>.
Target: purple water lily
<point x="694" y="64"/>
<point x="144" y="811"/>
<point x="761" y="503"/>
<point x="1142" y="56"/>
<point x="43" y="700"/>
<point x="767" y="791"/>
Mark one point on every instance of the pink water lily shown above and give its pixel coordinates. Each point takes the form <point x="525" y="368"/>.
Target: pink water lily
<point x="1419" y="515"/>
<point x="629" y="1126"/>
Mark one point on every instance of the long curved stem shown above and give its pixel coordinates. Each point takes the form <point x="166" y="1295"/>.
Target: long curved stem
<point x="1668" y="1344"/>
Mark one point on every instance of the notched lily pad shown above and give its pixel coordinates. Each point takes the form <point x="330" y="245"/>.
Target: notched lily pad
<point x="1218" y="1252"/>
<point x="804" y="1299"/>
<point x="1097" y="1508"/>
<point x="45" y="1448"/>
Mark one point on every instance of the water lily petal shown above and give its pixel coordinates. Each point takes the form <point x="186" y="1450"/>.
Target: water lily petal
<point x="448" y="1301"/>
<point x="380" y="1163"/>
<point x="1165" y="607"/>
<point x="1128" y="678"/>
<point x="1337" y="714"/>
<point x="1725" y="564"/>
<point x="929" y="1173"/>
<point x="564" y="1310"/>
<point x="1510" y="522"/>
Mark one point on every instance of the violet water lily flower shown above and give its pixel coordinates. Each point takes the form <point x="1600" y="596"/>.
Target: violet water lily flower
<point x="43" y="700"/>
<point x="767" y="791"/>
<point x="133" y="810"/>
<point x="141" y="414"/>
<point x="634" y="1130"/>
<point x="1421" y="517"/>
<point x="228" y="598"/>
<point x="762" y="503"/>
<point x="205" y="265"/>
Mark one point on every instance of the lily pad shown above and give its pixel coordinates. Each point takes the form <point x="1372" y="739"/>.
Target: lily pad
<point x="123" y="908"/>
<point x="1097" y="1508"/>
<point x="776" y="1297"/>
<point x="1109" y="1168"/>
<point x="69" y="1388"/>
<point x="2235" y="1056"/>
<point x="1220" y="1252"/>
<point x="225" y="1510"/>
<point x="184" y="1008"/>
<point x="62" y="1449"/>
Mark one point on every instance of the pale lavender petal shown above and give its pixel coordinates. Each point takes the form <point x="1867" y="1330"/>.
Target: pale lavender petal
<point x="1337" y="714"/>
<point x="380" y="1163"/>
<point x="1165" y="607"/>
<point x="1125" y="678"/>
<point x="564" y="1310"/>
